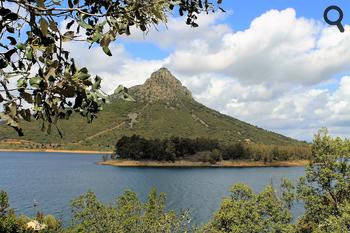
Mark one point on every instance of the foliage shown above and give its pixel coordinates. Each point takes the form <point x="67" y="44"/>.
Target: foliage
<point x="336" y="224"/>
<point x="7" y="216"/>
<point x="138" y="148"/>
<point x="48" y="83"/>
<point x="324" y="191"/>
<point x="207" y="156"/>
<point x="325" y="188"/>
<point x="203" y="149"/>
<point x="246" y="211"/>
<point x="266" y="153"/>
<point x="9" y="223"/>
<point x="128" y="214"/>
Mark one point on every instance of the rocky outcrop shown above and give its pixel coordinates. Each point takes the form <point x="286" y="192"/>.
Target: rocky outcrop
<point x="161" y="86"/>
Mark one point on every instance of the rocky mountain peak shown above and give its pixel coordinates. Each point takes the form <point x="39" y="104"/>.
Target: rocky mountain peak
<point x="161" y="86"/>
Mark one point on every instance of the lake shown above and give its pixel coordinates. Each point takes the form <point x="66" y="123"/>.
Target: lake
<point x="53" y="179"/>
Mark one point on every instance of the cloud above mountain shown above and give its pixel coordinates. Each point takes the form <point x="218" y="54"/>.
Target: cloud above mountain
<point x="284" y="73"/>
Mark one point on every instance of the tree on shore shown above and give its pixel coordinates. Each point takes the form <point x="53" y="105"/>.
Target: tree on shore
<point x="39" y="78"/>
<point x="136" y="147"/>
<point x="324" y="190"/>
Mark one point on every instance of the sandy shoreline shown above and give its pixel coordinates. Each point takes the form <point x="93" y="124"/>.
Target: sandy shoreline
<point x="57" y="151"/>
<point x="179" y="163"/>
<point x="185" y="163"/>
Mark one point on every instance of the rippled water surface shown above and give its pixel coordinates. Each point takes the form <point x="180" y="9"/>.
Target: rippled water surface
<point x="53" y="179"/>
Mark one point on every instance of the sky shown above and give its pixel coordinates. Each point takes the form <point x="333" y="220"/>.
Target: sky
<point x="272" y="63"/>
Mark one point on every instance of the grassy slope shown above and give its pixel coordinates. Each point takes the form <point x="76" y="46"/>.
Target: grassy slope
<point x="157" y="120"/>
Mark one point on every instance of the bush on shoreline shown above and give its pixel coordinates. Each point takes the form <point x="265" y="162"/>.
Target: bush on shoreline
<point x="203" y="149"/>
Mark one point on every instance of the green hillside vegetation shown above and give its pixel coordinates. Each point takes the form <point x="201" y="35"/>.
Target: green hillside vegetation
<point x="163" y="108"/>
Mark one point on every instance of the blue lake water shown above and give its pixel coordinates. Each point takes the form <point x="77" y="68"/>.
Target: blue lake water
<point x="53" y="179"/>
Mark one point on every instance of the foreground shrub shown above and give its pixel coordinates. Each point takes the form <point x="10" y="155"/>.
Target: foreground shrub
<point x="127" y="214"/>
<point x="246" y="211"/>
<point x="325" y="188"/>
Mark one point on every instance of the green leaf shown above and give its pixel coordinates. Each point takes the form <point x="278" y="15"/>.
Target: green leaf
<point x="20" y="46"/>
<point x="27" y="97"/>
<point x="85" y="25"/>
<point x="3" y="63"/>
<point x="69" y="25"/>
<point x="95" y="37"/>
<point x="143" y="27"/>
<point x="38" y="99"/>
<point x="12" y="110"/>
<point x="68" y="91"/>
<point x="97" y="84"/>
<point x="53" y="26"/>
<point x="4" y="11"/>
<point x="10" y="29"/>
<point x="84" y="70"/>
<point x="10" y="122"/>
<point x="68" y="36"/>
<point x="83" y="76"/>
<point x="25" y="114"/>
<point x="57" y="2"/>
<point x="44" y="25"/>
<point x="21" y="83"/>
<point x="107" y="51"/>
<point x="35" y="81"/>
<point x="12" y="16"/>
<point x="106" y="40"/>
<point x="29" y="53"/>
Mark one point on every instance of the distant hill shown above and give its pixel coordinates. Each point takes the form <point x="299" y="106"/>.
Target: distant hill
<point x="163" y="108"/>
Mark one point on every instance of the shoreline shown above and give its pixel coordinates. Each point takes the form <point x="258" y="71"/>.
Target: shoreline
<point x="165" y="164"/>
<point x="189" y="164"/>
<point x="58" y="151"/>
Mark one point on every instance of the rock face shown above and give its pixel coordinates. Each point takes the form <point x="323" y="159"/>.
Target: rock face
<point x="161" y="86"/>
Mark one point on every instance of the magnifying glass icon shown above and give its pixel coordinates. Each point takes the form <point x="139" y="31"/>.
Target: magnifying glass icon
<point x="334" y="22"/>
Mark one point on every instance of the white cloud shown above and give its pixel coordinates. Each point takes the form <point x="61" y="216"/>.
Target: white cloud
<point x="277" y="47"/>
<point x="176" y="33"/>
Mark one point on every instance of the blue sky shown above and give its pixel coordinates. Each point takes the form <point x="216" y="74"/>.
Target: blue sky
<point x="272" y="63"/>
<point x="240" y="13"/>
<point x="246" y="11"/>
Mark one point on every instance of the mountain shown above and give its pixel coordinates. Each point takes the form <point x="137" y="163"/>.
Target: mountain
<point x="161" y="107"/>
<point x="160" y="87"/>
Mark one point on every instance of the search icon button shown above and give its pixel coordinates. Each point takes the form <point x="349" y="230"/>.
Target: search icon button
<point x="337" y="22"/>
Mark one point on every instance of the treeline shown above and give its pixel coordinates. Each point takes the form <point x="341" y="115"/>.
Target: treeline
<point x="204" y="149"/>
<point x="267" y="153"/>
<point x="139" y="148"/>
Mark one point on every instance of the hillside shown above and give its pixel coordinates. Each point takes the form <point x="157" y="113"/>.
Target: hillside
<point x="163" y="108"/>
